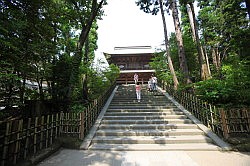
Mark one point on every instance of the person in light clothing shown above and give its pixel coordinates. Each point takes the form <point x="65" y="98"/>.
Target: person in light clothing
<point x="136" y="77"/>
<point x="150" y="85"/>
<point x="138" y="91"/>
<point x="154" y="82"/>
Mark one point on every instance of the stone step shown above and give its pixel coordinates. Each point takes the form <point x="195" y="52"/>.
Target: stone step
<point x="148" y="132"/>
<point x="139" y="106"/>
<point x="133" y="95"/>
<point x="142" y="101"/>
<point x="144" y="110"/>
<point x="156" y="121"/>
<point x="156" y="147"/>
<point x="151" y="139"/>
<point x="143" y="113"/>
<point x="130" y="98"/>
<point x="152" y="117"/>
<point x="146" y="126"/>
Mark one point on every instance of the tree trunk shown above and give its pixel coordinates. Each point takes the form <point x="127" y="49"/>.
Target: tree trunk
<point x="181" y="51"/>
<point x="85" y="75"/>
<point x="77" y="58"/>
<point x="40" y="87"/>
<point x="215" y="60"/>
<point x="207" y="62"/>
<point x="170" y="64"/>
<point x="204" y="69"/>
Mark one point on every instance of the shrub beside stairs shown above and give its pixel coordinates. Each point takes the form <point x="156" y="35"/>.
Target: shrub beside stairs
<point x="155" y="123"/>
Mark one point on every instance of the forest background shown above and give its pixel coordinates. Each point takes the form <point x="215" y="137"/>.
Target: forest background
<point x="44" y="59"/>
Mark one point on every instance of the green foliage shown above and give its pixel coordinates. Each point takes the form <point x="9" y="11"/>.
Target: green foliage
<point x="37" y="42"/>
<point x="60" y="77"/>
<point x="112" y="73"/>
<point x="77" y="107"/>
<point x="96" y="85"/>
<point x="31" y="94"/>
<point x="223" y="23"/>
<point x="233" y="88"/>
<point x="192" y="56"/>
<point x="151" y="6"/>
<point x="159" y="64"/>
<point x="100" y="82"/>
<point x="237" y="76"/>
<point x="213" y="91"/>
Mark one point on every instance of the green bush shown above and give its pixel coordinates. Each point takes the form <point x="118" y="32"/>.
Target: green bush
<point x="214" y="91"/>
<point x="77" y="108"/>
<point x="232" y="88"/>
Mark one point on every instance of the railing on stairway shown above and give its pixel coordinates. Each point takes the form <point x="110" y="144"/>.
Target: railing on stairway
<point x="223" y="123"/>
<point x="22" y="138"/>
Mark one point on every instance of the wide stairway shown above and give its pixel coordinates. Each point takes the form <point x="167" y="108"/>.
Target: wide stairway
<point x="155" y="123"/>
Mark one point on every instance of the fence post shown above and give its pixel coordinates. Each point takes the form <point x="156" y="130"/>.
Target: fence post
<point x="35" y="135"/>
<point x="211" y="117"/>
<point x="5" y="145"/>
<point x="57" y="126"/>
<point x="47" y="131"/>
<point x="224" y="123"/>
<point x="61" y="123"/>
<point x="248" y="120"/>
<point x="27" y="139"/>
<point x="41" y="132"/>
<point x="82" y="125"/>
<point x="51" y="128"/>
<point x="17" y="141"/>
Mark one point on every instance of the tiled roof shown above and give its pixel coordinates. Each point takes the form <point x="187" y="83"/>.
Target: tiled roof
<point x="132" y="50"/>
<point x="137" y="71"/>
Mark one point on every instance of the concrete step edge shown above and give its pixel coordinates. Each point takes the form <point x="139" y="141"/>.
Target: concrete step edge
<point x="142" y="110"/>
<point x="143" y="132"/>
<point x="156" y="147"/>
<point x="147" y="126"/>
<point x="145" y="117"/>
<point x="151" y="139"/>
<point x="157" y="121"/>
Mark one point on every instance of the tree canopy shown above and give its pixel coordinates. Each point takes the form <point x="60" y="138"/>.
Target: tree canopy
<point x="47" y="48"/>
<point x="223" y="34"/>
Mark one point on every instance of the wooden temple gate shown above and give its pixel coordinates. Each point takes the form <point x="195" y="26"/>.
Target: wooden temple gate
<point x="131" y="60"/>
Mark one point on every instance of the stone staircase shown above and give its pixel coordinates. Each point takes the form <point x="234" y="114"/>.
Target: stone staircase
<point x="153" y="124"/>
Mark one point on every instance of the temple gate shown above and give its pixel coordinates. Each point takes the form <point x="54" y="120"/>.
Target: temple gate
<point x="131" y="60"/>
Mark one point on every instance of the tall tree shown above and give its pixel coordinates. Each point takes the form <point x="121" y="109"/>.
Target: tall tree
<point x="38" y="43"/>
<point x="179" y="38"/>
<point x="223" y="23"/>
<point x="85" y="22"/>
<point x="170" y="63"/>
<point x="154" y="7"/>
<point x="203" y="60"/>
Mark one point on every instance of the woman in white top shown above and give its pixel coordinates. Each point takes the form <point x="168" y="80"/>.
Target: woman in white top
<point x="136" y="77"/>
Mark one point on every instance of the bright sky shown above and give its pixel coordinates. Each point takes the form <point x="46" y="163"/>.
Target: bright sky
<point x="126" y="25"/>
